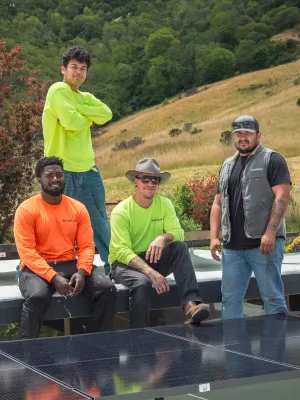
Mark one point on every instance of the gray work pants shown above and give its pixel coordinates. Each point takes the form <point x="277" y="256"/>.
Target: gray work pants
<point x="175" y="259"/>
<point x="38" y="292"/>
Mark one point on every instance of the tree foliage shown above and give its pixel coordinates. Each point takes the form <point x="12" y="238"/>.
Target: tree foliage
<point x="146" y="51"/>
<point x="159" y="42"/>
<point x="193" y="201"/>
<point x="20" y="127"/>
<point x="214" y="65"/>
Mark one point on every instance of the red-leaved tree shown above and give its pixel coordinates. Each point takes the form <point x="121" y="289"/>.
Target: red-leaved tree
<point x="204" y="190"/>
<point x="21" y="104"/>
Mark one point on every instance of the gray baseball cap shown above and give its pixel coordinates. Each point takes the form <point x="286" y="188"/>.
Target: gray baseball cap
<point x="245" y="123"/>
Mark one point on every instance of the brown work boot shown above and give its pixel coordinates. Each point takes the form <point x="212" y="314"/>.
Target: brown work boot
<point x="196" y="313"/>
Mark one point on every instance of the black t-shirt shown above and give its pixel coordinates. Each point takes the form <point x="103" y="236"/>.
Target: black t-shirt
<point x="278" y="174"/>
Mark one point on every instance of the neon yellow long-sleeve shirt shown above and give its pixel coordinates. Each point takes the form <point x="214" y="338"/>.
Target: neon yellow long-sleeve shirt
<point x="133" y="227"/>
<point x="67" y="118"/>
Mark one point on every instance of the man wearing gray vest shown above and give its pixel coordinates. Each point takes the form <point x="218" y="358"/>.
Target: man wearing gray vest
<point x="250" y="206"/>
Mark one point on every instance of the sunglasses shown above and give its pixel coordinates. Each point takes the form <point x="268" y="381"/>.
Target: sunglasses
<point x="146" y="179"/>
<point x="245" y="125"/>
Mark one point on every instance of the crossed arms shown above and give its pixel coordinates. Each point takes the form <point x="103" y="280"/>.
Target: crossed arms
<point x="75" y="117"/>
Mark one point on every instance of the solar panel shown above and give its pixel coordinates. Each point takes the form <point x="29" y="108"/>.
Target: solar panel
<point x="17" y="382"/>
<point x="165" y="361"/>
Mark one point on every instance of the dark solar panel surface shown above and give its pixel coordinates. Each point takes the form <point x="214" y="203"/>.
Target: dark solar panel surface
<point x="20" y="383"/>
<point x="168" y="360"/>
<point x="275" y="337"/>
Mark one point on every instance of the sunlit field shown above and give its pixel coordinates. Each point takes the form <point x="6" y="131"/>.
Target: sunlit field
<point x="269" y="95"/>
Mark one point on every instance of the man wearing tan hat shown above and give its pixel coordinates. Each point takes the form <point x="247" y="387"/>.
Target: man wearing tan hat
<point x="146" y="246"/>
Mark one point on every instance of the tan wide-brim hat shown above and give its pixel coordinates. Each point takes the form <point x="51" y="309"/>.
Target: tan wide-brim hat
<point x="147" y="166"/>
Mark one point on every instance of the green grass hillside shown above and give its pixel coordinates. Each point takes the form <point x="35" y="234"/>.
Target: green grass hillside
<point x="269" y="95"/>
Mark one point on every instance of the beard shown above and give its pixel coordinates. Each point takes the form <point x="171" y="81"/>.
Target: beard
<point x="246" y="150"/>
<point x="53" y="191"/>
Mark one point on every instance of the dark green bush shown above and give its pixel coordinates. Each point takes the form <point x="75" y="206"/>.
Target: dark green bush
<point x="182" y="200"/>
<point x="128" y="144"/>
<point x="226" y="138"/>
<point x="187" y="127"/>
<point x="175" y="132"/>
<point x="296" y="81"/>
<point x="195" y="130"/>
<point x="256" y="86"/>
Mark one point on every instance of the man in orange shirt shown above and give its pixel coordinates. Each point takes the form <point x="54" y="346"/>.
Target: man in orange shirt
<point x="51" y="230"/>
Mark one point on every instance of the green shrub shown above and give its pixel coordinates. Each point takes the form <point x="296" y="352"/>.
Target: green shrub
<point x="294" y="246"/>
<point x="251" y="87"/>
<point x="293" y="217"/>
<point x="188" y="224"/>
<point x="296" y="81"/>
<point x="293" y="223"/>
<point x="298" y="102"/>
<point x="175" y="132"/>
<point x="195" y="130"/>
<point x="128" y="144"/>
<point x="193" y="201"/>
<point x="256" y="86"/>
<point x="293" y="205"/>
<point x="226" y="138"/>
<point x="187" y="127"/>
<point x="165" y="102"/>
<point x="182" y="200"/>
<point x="13" y="332"/>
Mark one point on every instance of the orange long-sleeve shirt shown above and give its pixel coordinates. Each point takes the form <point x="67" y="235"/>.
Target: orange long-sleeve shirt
<point x="46" y="233"/>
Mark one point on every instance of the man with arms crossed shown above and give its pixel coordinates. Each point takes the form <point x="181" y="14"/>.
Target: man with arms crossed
<point x="51" y="230"/>
<point x="146" y="246"/>
<point x="250" y="205"/>
<point x="67" y="117"/>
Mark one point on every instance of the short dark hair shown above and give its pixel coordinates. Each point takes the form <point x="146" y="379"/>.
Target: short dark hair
<point x="44" y="162"/>
<point x="79" y="54"/>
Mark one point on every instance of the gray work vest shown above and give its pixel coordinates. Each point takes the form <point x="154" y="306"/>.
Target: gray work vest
<point x="257" y="194"/>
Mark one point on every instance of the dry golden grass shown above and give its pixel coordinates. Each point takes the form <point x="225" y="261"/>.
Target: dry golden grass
<point x="119" y="188"/>
<point x="293" y="33"/>
<point x="212" y="110"/>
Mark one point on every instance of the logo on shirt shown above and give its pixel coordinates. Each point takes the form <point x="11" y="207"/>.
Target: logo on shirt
<point x="256" y="169"/>
<point x="69" y="220"/>
<point x="156" y="219"/>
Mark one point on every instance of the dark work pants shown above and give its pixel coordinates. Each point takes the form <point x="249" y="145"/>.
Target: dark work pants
<point x="38" y="292"/>
<point x="175" y="258"/>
